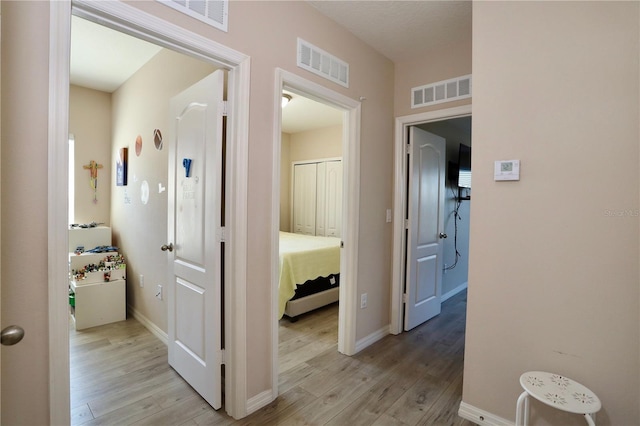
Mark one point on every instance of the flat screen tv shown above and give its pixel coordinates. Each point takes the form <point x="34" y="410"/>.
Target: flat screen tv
<point x="464" y="166"/>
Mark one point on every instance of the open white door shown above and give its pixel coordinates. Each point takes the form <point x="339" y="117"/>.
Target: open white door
<point x="194" y="218"/>
<point x="423" y="286"/>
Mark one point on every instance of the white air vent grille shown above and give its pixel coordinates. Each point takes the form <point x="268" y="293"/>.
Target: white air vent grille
<point x="322" y="63"/>
<point x="441" y="91"/>
<point x="213" y="12"/>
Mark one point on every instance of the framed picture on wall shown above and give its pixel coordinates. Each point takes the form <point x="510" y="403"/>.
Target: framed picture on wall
<point x="121" y="167"/>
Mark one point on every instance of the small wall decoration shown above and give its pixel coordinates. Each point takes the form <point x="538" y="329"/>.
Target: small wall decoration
<point x="186" y="163"/>
<point x="144" y="192"/>
<point x="138" y="145"/>
<point x="157" y="139"/>
<point x="93" y="180"/>
<point x="121" y="167"/>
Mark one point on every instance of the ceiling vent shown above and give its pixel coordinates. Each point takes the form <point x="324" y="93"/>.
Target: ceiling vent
<point x="441" y="91"/>
<point x="322" y="63"/>
<point x="213" y="12"/>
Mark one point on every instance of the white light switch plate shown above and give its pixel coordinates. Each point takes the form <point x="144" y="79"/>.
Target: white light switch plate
<point x="507" y="170"/>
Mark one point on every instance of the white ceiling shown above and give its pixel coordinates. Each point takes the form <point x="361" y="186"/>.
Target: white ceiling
<point x="103" y="59"/>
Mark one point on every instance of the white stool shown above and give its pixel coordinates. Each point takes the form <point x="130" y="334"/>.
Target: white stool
<point x="556" y="391"/>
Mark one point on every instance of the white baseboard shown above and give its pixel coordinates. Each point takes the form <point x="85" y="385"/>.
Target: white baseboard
<point x="371" y="338"/>
<point x="154" y="329"/>
<point x="259" y="401"/>
<point x="451" y="293"/>
<point x="481" y="417"/>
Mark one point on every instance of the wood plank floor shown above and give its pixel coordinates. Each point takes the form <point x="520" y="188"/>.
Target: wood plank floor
<point x="120" y="376"/>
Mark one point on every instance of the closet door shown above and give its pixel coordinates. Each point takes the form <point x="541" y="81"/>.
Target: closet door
<point x="321" y="199"/>
<point x="304" y="199"/>
<point x="333" y="199"/>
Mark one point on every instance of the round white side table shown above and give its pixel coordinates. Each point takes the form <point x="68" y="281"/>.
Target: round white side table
<point x="558" y="392"/>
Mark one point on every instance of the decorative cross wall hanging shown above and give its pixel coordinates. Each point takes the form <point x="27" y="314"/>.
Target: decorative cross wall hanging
<point x="93" y="181"/>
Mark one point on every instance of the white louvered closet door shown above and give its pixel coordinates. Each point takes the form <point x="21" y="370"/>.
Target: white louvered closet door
<point x="317" y="198"/>
<point x="304" y="199"/>
<point x="333" y="199"/>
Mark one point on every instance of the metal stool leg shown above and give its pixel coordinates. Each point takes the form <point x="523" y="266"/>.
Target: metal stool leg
<point x="589" y="419"/>
<point x="522" y="409"/>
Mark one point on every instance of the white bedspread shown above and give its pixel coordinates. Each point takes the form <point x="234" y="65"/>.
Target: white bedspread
<point x="303" y="258"/>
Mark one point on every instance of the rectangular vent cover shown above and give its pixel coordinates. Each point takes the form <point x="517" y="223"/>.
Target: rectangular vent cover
<point x="213" y="12"/>
<point x="317" y="61"/>
<point x="441" y="91"/>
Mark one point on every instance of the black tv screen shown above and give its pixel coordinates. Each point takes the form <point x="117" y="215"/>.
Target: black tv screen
<point x="464" y="166"/>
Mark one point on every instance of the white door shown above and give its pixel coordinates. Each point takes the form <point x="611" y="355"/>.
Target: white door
<point x="425" y="227"/>
<point x="333" y="199"/>
<point x="304" y="199"/>
<point x="194" y="218"/>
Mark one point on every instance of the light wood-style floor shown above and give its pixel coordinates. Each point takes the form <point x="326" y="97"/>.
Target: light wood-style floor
<point x="120" y="376"/>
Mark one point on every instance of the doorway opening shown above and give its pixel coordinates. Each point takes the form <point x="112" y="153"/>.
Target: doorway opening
<point x="453" y="125"/>
<point x="132" y="21"/>
<point x="338" y="174"/>
<point x="126" y="111"/>
<point x="310" y="229"/>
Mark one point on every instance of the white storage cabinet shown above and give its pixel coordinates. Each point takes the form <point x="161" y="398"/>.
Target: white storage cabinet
<point x="97" y="294"/>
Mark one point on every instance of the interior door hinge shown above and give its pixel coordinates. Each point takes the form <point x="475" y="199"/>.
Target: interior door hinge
<point x="406" y="224"/>
<point x="407" y="149"/>
<point x="222" y="234"/>
<point x="223" y="356"/>
<point x="405" y="297"/>
<point x="224" y="108"/>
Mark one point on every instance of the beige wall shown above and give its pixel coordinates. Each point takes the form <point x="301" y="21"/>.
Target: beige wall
<point x="285" y="182"/>
<point x="90" y="124"/>
<point x="553" y="278"/>
<point x="140" y="106"/>
<point x="449" y="62"/>
<point x="316" y="144"/>
<point x="25" y="49"/>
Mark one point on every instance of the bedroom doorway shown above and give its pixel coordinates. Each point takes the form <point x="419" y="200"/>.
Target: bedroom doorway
<point x="166" y="35"/>
<point x="453" y="125"/>
<point x="310" y="219"/>
<point x="315" y="193"/>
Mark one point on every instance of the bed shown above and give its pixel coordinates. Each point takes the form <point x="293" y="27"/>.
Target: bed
<point x="309" y="273"/>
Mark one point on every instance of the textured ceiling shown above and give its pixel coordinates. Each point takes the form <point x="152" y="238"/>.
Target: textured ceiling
<point x="402" y="30"/>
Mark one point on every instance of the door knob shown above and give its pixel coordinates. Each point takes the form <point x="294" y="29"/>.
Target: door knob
<point x="166" y="247"/>
<point x="11" y="335"/>
<point x="443" y="235"/>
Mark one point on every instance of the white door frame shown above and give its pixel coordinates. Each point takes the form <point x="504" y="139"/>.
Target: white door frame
<point x="400" y="198"/>
<point x="350" y="211"/>
<point x="133" y="21"/>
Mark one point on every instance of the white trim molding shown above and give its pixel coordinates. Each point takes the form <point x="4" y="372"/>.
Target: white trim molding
<point x="481" y="417"/>
<point x="448" y="295"/>
<point x="350" y="212"/>
<point x="399" y="199"/>
<point x="149" y="325"/>
<point x="260" y="400"/>
<point x="372" y="338"/>
<point x="57" y="220"/>
<point x="133" y="21"/>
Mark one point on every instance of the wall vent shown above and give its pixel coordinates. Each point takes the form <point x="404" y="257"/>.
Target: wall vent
<point x="441" y="91"/>
<point x="213" y="12"/>
<point x="319" y="62"/>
